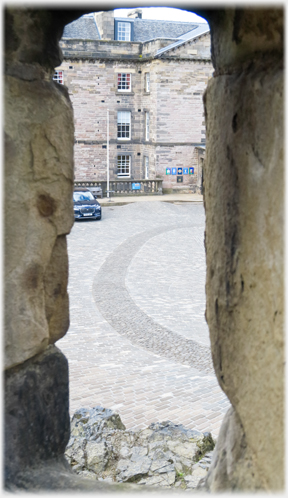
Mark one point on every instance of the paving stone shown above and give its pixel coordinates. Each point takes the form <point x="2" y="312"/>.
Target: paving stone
<point x="114" y="360"/>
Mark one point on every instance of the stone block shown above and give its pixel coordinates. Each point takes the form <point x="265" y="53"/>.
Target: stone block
<point x="37" y="421"/>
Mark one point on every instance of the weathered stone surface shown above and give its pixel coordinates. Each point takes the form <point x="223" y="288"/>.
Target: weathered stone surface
<point x="56" y="475"/>
<point x="239" y="35"/>
<point x="244" y="203"/>
<point x="232" y="464"/>
<point x="36" y="412"/>
<point x="39" y="181"/>
<point x="161" y="455"/>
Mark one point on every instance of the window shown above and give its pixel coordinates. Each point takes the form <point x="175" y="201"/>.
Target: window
<point x="146" y="159"/>
<point x="58" y="76"/>
<point x="124" y="82"/>
<point x="124" y="31"/>
<point x="123" y="165"/>
<point x="123" y="125"/>
<point x="146" y="125"/>
<point x="147" y="82"/>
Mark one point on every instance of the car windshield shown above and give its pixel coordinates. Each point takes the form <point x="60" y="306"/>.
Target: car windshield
<point x="82" y="196"/>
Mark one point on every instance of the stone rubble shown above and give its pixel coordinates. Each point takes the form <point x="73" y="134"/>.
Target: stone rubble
<point x="164" y="454"/>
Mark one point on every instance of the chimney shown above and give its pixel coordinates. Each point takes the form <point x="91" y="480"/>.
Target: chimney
<point x="135" y="14"/>
<point x="105" y="24"/>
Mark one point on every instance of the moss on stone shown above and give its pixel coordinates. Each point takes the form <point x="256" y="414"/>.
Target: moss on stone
<point x="207" y="444"/>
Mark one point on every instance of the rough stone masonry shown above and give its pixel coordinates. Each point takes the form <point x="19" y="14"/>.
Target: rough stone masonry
<point x="244" y="201"/>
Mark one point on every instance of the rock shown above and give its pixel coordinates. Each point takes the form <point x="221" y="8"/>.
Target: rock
<point x="164" y="454"/>
<point x="186" y="450"/>
<point x="133" y="470"/>
<point x="199" y="472"/>
<point x="91" y="422"/>
<point x="96" y="456"/>
<point x="75" y="452"/>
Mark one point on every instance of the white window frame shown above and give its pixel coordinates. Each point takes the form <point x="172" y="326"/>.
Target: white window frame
<point x="124" y="161"/>
<point x="124" y="81"/>
<point x="124" y="125"/>
<point x="124" y="31"/>
<point x="147" y="82"/>
<point x="59" y="76"/>
<point x="147" y="125"/>
<point x="146" y="166"/>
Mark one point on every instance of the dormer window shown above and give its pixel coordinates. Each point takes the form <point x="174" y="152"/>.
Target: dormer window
<point x="124" y="82"/>
<point x="123" y="30"/>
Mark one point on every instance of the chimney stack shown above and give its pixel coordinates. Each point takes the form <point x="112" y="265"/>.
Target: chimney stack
<point x="135" y="14"/>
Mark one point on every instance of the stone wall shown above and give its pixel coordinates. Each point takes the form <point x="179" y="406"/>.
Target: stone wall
<point x="96" y="49"/>
<point x="196" y="49"/>
<point x="244" y="202"/>
<point x="38" y="215"/>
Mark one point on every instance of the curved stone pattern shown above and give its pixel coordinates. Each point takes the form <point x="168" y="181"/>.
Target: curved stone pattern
<point x="116" y="305"/>
<point x="166" y="280"/>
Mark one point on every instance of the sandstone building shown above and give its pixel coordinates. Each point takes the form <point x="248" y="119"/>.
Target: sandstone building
<point x="150" y="77"/>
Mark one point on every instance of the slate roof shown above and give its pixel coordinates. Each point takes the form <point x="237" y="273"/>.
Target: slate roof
<point x="147" y="29"/>
<point x="201" y="29"/>
<point x="83" y="28"/>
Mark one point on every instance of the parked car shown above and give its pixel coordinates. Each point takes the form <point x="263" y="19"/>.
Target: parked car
<point x="85" y="205"/>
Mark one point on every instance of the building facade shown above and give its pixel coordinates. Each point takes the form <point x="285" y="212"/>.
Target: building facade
<point x="137" y="84"/>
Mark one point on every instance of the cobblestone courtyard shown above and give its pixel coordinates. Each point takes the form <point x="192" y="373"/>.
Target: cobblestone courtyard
<point x="138" y="341"/>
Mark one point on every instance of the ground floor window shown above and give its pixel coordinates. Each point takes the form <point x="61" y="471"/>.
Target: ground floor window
<point x="123" y="165"/>
<point x="146" y="162"/>
<point x="58" y="77"/>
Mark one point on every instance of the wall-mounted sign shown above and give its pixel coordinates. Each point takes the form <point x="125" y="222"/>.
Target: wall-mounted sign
<point x="185" y="171"/>
<point x="191" y="171"/>
<point x="179" y="179"/>
<point x="180" y="171"/>
<point x="174" y="171"/>
<point x="168" y="171"/>
<point x="136" y="186"/>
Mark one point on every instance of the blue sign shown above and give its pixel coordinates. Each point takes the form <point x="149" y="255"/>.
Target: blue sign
<point x="136" y="186"/>
<point x="168" y="171"/>
<point x="180" y="171"/>
<point x="185" y="171"/>
<point x="174" y="171"/>
<point x="191" y="171"/>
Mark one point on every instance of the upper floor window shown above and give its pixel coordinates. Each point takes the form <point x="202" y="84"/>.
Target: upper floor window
<point x="123" y="165"/>
<point x="58" y="76"/>
<point x="123" y="125"/>
<point x="146" y="159"/>
<point x="147" y="125"/>
<point x="147" y="82"/>
<point x="124" y="31"/>
<point x="124" y="82"/>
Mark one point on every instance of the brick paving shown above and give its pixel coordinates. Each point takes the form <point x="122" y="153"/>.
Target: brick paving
<point x="138" y="341"/>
